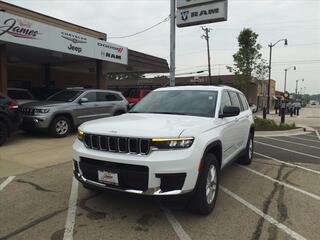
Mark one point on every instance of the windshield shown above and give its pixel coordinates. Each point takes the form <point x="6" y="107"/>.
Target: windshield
<point x="65" y="96"/>
<point x="179" y="102"/>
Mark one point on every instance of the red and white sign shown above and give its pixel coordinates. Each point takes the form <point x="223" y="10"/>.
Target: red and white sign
<point x="19" y="30"/>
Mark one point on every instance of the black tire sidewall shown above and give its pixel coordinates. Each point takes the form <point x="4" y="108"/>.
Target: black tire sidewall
<point x="245" y="160"/>
<point x="199" y="200"/>
<point x="4" y="128"/>
<point x="53" y="124"/>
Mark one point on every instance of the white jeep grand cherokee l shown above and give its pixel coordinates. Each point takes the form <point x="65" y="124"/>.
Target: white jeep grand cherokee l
<point x="175" y="141"/>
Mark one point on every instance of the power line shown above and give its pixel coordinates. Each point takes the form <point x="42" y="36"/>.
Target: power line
<point x="142" y="31"/>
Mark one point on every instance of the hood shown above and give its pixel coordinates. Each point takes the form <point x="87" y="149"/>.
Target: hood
<point x="45" y="104"/>
<point x="145" y="125"/>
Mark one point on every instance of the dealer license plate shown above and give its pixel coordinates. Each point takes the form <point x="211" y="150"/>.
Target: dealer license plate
<point x="108" y="177"/>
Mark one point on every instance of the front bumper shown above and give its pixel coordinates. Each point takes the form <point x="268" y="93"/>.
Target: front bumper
<point x="159" y="173"/>
<point x="35" y="122"/>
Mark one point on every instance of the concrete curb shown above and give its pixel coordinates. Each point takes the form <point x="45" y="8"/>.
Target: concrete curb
<point x="298" y="131"/>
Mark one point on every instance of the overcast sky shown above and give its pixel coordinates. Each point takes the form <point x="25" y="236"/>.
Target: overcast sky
<point x="297" y="20"/>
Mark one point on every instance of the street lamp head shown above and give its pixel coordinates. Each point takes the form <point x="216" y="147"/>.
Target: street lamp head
<point x="294" y="68"/>
<point x="286" y="42"/>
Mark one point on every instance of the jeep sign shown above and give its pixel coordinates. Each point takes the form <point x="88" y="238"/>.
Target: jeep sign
<point x="201" y="14"/>
<point x="23" y="31"/>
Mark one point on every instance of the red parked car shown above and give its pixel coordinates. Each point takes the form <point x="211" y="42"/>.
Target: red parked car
<point x="134" y="95"/>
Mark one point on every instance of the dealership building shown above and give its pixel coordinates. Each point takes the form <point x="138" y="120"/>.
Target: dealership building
<point x="38" y="51"/>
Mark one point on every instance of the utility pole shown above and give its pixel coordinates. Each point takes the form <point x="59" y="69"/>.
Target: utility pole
<point x="206" y="37"/>
<point x="172" y="43"/>
<point x="285" y="80"/>
<point x="269" y="79"/>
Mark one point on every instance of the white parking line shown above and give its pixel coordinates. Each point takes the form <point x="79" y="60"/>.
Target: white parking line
<point x="303" y="139"/>
<point x="71" y="217"/>
<point x="288" y="150"/>
<point x="268" y="218"/>
<point x="6" y="182"/>
<point x="301" y="144"/>
<point x="289" y="164"/>
<point x="314" y="196"/>
<point x="175" y="225"/>
<point x="317" y="132"/>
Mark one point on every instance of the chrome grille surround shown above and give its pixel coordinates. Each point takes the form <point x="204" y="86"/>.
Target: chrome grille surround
<point x="128" y="145"/>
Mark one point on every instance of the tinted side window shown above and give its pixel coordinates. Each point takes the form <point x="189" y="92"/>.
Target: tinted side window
<point x="108" y="97"/>
<point x="92" y="97"/>
<point x="235" y="100"/>
<point x="225" y="101"/>
<point x="244" y="102"/>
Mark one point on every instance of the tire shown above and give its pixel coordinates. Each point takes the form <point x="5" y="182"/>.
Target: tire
<point x="246" y="158"/>
<point x="60" y="127"/>
<point x="202" y="201"/>
<point x="4" y="132"/>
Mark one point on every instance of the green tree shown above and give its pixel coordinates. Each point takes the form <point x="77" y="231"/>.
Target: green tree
<point x="124" y="76"/>
<point x="248" y="62"/>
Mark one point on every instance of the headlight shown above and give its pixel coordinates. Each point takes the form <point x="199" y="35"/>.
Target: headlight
<point x="171" y="143"/>
<point x="80" y="135"/>
<point x="36" y="111"/>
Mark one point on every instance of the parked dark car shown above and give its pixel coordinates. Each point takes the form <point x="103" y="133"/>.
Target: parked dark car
<point x="9" y="117"/>
<point x="21" y="95"/>
<point x="43" y="93"/>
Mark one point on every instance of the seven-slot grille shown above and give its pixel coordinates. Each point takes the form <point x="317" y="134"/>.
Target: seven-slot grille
<point x="27" y="111"/>
<point x="117" y="144"/>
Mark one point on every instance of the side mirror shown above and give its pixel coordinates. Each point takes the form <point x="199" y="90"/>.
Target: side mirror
<point x="83" y="100"/>
<point x="230" y="111"/>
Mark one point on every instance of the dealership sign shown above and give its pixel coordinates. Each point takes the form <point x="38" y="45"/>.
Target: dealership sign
<point x="188" y="3"/>
<point x="27" y="32"/>
<point x="206" y="12"/>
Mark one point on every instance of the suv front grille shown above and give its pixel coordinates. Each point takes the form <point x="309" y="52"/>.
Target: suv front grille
<point x="117" y="144"/>
<point x="27" y="111"/>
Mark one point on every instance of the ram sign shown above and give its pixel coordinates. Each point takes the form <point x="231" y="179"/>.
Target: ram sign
<point x="201" y="14"/>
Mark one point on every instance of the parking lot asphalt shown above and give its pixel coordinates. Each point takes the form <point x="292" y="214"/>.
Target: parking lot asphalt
<point x="24" y="153"/>
<point x="276" y="197"/>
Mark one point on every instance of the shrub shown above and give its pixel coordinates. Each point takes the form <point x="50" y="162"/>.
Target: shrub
<point x="271" y="125"/>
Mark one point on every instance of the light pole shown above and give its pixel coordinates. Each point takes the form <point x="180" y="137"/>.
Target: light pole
<point x="285" y="76"/>
<point x="172" y="43"/>
<point x="269" y="81"/>
<point x="297" y="81"/>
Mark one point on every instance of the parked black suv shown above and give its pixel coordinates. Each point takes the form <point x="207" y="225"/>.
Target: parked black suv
<point x="9" y="117"/>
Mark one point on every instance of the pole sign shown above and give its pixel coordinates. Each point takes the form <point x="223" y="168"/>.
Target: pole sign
<point x="188" y="3"/>
<point x="19" y="30"/>
<point x="199" y="12"/>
